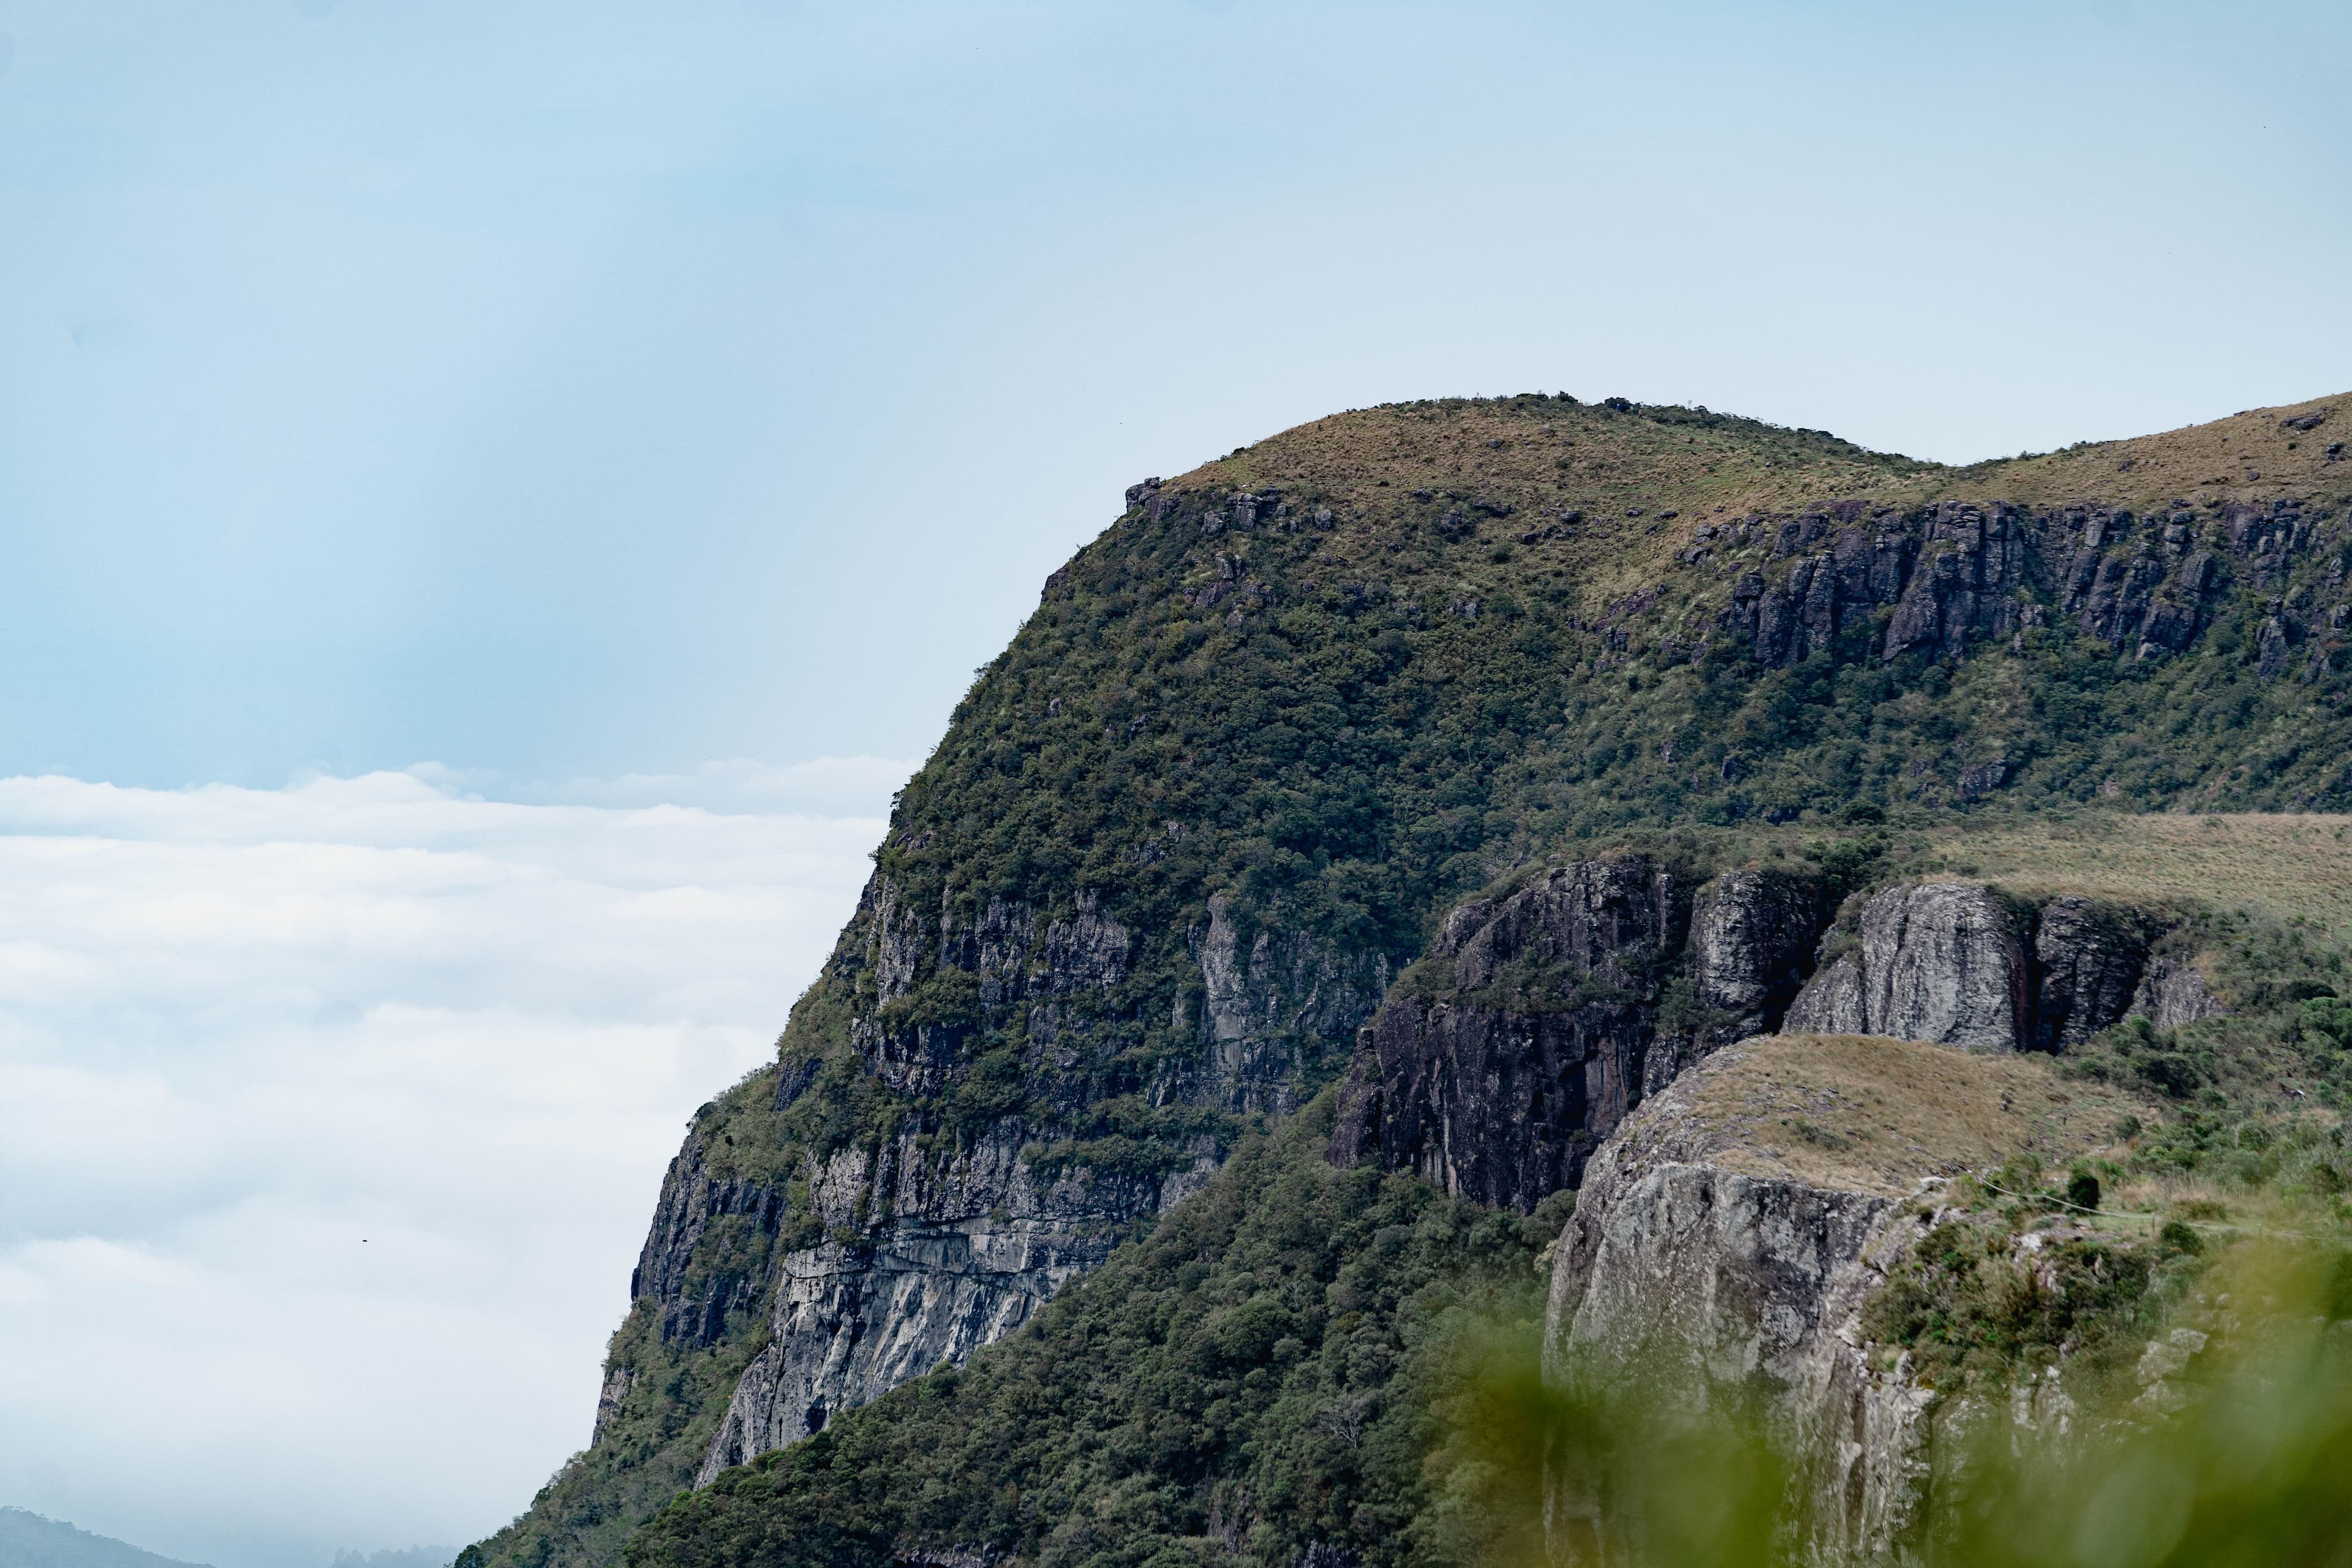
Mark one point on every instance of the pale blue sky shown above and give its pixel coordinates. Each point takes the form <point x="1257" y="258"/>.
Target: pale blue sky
<point x="558" y="390"/>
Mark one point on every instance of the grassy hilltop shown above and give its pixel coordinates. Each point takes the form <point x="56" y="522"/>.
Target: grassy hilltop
<point x="1349" y="676"/>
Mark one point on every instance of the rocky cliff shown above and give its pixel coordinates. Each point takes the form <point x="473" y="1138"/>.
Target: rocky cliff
<point x="1527" y="1033"/>
<point x="1963" y="964"/>
<point x="1946" y="960"/>
<point x="1262" y="737"/>
<point x="1722" y="1260"/>
<point x="965" y="1256"/>
<point x="934" y="1246"/>
<point x="1541" y="1018"/>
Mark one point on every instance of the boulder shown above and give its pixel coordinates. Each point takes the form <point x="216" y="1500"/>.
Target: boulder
<point x="1939" y="961"/>
<point x="2172" y="995"/>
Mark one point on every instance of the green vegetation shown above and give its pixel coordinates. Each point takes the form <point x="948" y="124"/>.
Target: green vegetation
<point x="1448" y="641"/>
<point x="2279" y="1047"/>
<point x="1287" y="1358"/>
<point x="2248" y="1467"/>
<point x="1966" y="1303"/>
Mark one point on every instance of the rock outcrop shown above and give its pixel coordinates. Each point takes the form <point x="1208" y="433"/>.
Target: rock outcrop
<point x="2172" y="994"/>
<point x="1961" y="573"/>
<point x="692" y="1286"/>
<point x="1714" y="1262"/>
<point x="1939" y="961"/>
<point x="1538" y="1019"/>
<point x="958" y="1257"/>
<point x="1526" y="1046"/>
<point x="1751" y="945"/>
<point x="2087" y="959"/>
<point x="1958" y="965"/>
<point x="1260" y="999"/>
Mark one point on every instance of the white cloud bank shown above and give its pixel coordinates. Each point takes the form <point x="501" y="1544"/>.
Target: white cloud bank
<point x="331" y="1117"/>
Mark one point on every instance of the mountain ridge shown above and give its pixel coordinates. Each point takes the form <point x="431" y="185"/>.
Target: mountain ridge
<point x="1263" y="733"/>
<point x="28" y="1540"/>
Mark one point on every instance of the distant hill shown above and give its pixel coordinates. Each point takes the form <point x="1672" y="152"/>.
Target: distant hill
<point x="28" y="1541"/>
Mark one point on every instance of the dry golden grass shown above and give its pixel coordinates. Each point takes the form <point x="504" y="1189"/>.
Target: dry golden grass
<point x="1862" y="1114"/>
<point x="1538" y="453"/>
<point x="2253" y="455"/>
<point x="2285" y="863"/>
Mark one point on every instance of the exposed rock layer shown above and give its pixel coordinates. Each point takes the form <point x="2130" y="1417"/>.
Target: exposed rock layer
<point x="2088" y="959"/>
<point x="933" y="1249"/>
<point x="1959" y="964"/>
<point x="693" y="1286"/>
<point x="1497" y="1086"/>
<point x="1942" y="961"/>
<point x="1536" y="1022"/>
<point x="854" y="1318"/>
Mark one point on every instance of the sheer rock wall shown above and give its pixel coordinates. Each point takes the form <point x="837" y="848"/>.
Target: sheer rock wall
<point x="933" y="1247"/>
<point x="1537" y="1033"/>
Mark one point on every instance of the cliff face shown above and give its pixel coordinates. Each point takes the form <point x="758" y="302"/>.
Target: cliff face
<point x="1496" y="1088"/>
<point x="1258" y="1002"/>
<point x="1538" y="1030"/>
<point x="1751" y="946"/>
<point x="965" y="1256"/>
<point x="2146" y="583"/>
<point x="1714" y="1261"/>
<point x="1959" y="964"/>
<point x="1289" y="709"/>
<point x="1943" y="962"/>
<point x="935" y="1247"/>
<point x="1672" y="1264"/>
<point x="2088" y="961"/>
<point x="693" y="1286"/>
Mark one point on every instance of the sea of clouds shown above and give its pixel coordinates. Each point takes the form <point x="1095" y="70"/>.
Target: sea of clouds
<point x="331" y="1117"/>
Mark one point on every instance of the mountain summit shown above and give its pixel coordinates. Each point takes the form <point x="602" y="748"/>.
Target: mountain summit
<point x="1404" y="801"/>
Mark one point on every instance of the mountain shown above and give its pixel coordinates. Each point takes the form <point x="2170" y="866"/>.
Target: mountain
<point x="1368" y="824"/>
<point x="28" y="1541"/>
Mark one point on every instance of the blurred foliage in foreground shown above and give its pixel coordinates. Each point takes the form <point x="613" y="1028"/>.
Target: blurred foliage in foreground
<point x="2252" y="1465"/>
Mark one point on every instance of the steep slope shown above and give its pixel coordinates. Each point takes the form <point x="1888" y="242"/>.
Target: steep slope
<point x="1264" y="1370"/>
<point x="1855" y="1232"/>
<point x="1732" y="1237"/>
<point x="1260" y="735"/>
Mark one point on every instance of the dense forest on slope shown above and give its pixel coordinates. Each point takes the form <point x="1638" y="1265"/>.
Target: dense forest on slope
<point x="1204" y="1398"/>
<point x="1291" y="706"/>
<point x="1275" y="1364"/>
